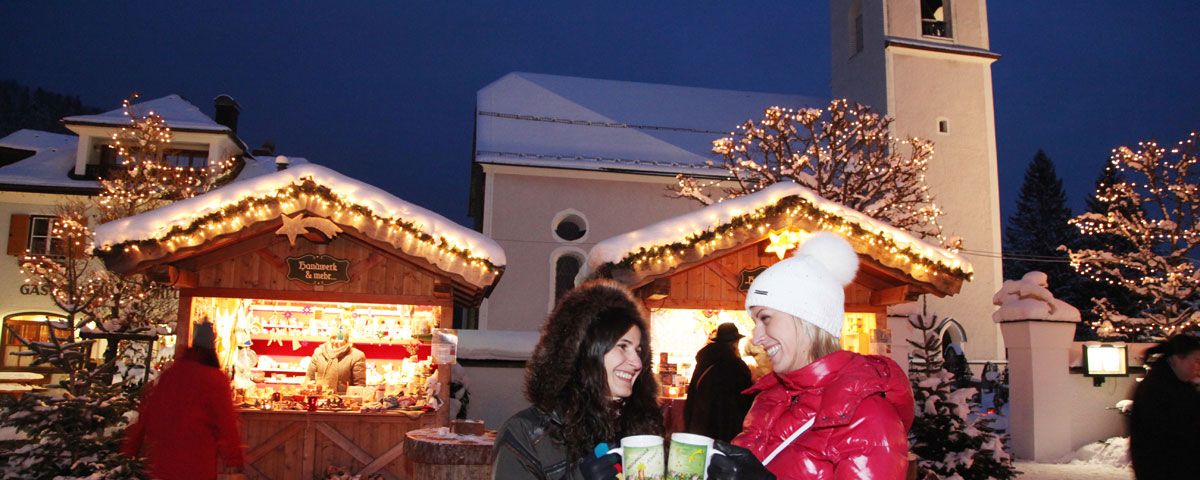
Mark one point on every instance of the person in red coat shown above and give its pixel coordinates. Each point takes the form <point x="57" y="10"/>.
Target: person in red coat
<point x="824" y="413"/>
<point x="187" y="419"/>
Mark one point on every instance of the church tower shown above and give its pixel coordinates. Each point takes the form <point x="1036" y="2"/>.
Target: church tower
<point x="927" y="64"/>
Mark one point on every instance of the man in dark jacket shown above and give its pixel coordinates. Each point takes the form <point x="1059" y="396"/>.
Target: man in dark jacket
<point x="715" y="405"/>
<point x="1164" y="427"/>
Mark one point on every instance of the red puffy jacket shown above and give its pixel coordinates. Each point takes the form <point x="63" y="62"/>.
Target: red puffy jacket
<point x="184" y="422"/>
<point x="863" y="405"/>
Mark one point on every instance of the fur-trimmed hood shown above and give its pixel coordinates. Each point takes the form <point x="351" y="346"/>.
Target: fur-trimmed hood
<point x="551" y="368"/>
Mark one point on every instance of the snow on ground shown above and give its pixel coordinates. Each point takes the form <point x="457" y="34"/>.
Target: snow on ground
<point x="1107" y="460"/>
<point x="1055" y="471"/>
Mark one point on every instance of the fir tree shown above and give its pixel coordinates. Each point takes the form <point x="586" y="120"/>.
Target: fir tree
<point x="1038" y="230"/>
<point x="952" y="440"/>
<point x="37" y="109"/>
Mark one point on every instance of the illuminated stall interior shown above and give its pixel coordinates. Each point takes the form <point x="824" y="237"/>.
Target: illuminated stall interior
<point x="267" y="344"/>
<point x="693" y="271"/>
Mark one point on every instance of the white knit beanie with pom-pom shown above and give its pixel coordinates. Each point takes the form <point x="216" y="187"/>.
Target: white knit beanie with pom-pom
<point x="810" y="284"/>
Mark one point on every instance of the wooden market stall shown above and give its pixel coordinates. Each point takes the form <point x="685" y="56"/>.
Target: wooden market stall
<point x="693" y="270"/>
<point x="285" y="263"/>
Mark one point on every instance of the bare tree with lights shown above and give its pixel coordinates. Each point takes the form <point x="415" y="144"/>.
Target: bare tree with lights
<point x="79" y="431"/>
<point x="844" y="152"/>
<point x="1151" y="211"/>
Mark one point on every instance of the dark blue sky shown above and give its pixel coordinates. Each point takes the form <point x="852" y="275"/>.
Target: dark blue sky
<point x="386" y="93"/>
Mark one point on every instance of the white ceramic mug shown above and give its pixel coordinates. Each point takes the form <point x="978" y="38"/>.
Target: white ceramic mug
<point x="641" y="457"/>
<point x="690" y="455"/>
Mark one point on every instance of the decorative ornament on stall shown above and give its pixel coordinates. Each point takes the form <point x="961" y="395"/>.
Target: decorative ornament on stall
<point x="783" y="240"/>
<point x="299" y="225"/>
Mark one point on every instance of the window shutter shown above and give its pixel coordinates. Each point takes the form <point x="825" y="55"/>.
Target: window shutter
<point x="18" y="234"/>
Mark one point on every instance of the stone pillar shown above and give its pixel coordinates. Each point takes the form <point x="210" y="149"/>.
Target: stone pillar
<point x="1039" y="383"/>
<point x="1038" y="330"/>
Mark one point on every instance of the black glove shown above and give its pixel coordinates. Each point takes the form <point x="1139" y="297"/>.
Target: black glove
<point x="737" y="464"/>
<point x="600" y="468"/>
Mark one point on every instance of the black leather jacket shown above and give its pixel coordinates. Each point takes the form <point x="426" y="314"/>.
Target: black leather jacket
<point x="526" y="450"/>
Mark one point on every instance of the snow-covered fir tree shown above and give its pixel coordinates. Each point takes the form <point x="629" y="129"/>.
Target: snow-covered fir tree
<point x="949" y="435"/>
<point x="1153" y="210"/>
<point x="74" y="431"/>
<point x="844" y="152"/>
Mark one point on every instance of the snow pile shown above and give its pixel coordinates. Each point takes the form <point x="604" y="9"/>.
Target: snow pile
<point x="496" y="344"/>
<point x="1030" y="299"/>
<point x="680" y="228"/>
<point x="1113" y="452"/>
<point x="1106" y="460"/>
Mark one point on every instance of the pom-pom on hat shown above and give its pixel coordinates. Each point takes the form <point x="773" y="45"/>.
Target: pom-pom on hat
<point x="810" y="284"/>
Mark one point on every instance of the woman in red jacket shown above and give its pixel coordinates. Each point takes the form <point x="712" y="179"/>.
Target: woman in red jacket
<point x="825" y="413"/>
<point x="187" y="419"/>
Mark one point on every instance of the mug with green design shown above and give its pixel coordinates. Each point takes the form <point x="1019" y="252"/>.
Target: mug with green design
<point x="689" y="456"/>
<point x="641" y="457"/>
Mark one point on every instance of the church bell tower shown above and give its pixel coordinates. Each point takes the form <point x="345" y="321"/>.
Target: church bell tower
<point x="927" y="64"/>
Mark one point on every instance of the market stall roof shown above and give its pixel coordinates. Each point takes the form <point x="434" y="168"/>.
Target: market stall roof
<point x="670" y="245"/>
<point x="171" y="232"/>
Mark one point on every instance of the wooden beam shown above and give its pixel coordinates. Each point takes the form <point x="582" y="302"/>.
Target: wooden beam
<point x="344" y="443"/>
<point x="890" y="296"/>
<point x="273" y="441"/>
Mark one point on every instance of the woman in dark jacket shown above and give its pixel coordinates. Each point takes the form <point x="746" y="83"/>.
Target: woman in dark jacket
<point x="715" y="404"/>
<point x="1164" y="427"/>
<point x="589" y="382"/>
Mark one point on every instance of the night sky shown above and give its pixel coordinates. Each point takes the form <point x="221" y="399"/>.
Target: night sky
<point x="386" y="93"/>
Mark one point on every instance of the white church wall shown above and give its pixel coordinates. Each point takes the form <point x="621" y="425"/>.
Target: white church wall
<point x="611" y="204"/>
<point x="1092" y="417"/>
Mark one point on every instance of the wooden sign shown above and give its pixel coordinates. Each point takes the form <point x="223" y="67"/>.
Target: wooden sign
<point x="747" y="277"/>
<point x="318" y="269"/>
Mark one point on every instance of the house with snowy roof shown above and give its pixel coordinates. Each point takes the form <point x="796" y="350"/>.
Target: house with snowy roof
<point x="40" y="170"/>
<point x="563" y="163"/>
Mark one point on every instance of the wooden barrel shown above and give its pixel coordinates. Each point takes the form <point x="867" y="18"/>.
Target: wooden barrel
<point x="439" y="454"/>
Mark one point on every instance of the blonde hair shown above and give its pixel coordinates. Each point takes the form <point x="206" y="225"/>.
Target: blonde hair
<point x="822" y="342"/>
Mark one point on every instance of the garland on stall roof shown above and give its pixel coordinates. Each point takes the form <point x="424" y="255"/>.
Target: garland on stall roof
<point x="310" y="187"/>
<point x="789" y="206"/>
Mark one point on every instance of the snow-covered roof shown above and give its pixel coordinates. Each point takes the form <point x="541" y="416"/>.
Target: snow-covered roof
<point x="1030" y="299"/>
<point x="264" y="165"/>
<point x="904" y="251"/>
<point x="191" y="222"/>
<point x="178" y="113"/>
<point x="586" y="123"/>
<point x="49" y="166"/>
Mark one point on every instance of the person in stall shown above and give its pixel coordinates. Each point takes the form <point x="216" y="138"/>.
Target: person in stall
<point x="715" y="404"/>
<point x="589" y="385"/>
<point x="336" y="364"/>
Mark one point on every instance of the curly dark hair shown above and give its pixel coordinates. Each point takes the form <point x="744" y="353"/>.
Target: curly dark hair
<point x="566" y="375"/>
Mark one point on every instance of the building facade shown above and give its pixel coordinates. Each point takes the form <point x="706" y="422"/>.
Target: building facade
<point x="561" y="163"/>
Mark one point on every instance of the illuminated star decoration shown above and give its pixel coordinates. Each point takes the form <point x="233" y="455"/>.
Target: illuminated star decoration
<point x="782" y="241"/>
<point x="299" y="225"/>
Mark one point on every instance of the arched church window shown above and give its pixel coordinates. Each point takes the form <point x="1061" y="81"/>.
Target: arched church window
<point x="566" y="268"/>
<point x="935" y="18"/>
